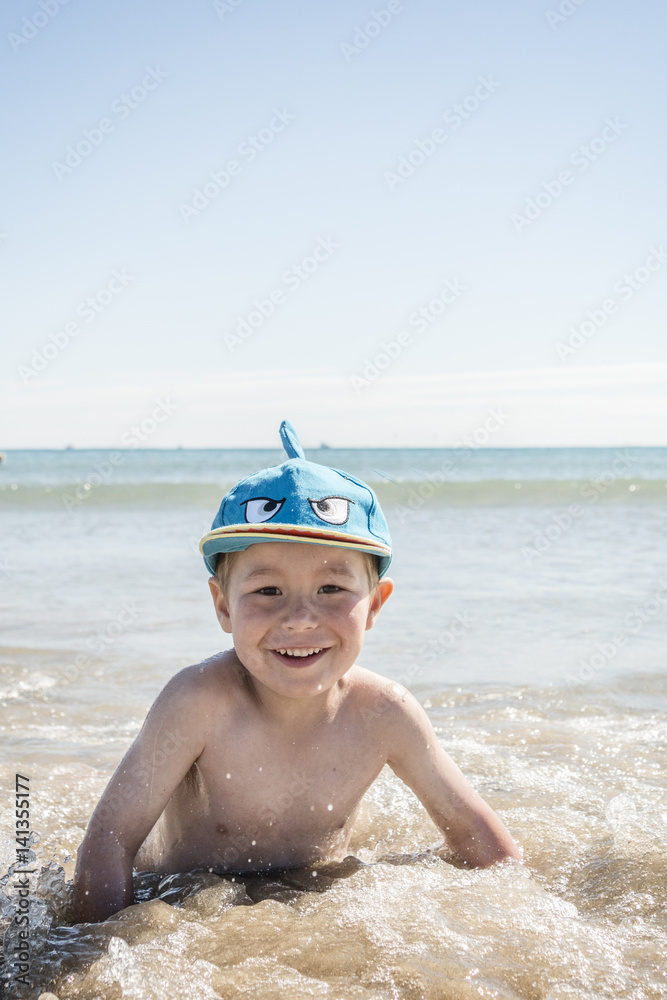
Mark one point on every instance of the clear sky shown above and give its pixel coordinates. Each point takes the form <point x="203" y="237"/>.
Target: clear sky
<point x="422" y="212"/>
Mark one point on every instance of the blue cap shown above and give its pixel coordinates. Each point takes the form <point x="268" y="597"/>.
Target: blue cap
<point x="299" y="501"/>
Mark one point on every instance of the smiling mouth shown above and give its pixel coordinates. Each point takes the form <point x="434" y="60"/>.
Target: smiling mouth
<point x="299" y="657"/>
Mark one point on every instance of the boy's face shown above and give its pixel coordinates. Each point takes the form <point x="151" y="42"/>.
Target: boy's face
<point x="295" y="597"/>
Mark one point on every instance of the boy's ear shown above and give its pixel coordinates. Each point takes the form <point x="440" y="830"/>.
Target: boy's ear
<point x="220" y="605"/>
<point x="379" y="595"/>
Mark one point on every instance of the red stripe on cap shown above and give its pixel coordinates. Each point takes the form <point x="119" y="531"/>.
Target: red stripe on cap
<point x="294" y="531"/>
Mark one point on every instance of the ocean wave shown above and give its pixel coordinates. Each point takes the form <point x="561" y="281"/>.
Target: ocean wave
<point x="408" y="492"/>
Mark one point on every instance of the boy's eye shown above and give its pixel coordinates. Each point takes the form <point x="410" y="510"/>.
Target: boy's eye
<point x="327" y="588"/>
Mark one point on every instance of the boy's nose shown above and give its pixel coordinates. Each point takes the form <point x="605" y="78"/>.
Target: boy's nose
<point x="300" y="615"/>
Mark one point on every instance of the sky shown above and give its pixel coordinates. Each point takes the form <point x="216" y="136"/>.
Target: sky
<point x="383" y="221"/>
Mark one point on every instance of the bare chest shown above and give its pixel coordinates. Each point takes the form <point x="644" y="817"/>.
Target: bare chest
<point x="317" y="780"/>
<point x="252" y="800"/>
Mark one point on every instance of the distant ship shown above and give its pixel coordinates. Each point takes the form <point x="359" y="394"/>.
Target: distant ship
<point x="325" y="447"/>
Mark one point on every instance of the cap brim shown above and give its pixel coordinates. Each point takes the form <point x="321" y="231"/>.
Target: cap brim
<point x="237" y="537"/>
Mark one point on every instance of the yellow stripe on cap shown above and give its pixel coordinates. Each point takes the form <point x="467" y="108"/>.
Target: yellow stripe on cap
<point x="300" y="532"/>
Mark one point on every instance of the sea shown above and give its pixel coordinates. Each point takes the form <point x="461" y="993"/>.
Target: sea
<point x="529" y="617"/>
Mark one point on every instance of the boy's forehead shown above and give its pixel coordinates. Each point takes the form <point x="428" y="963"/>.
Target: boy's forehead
<point x="284" y="556"/>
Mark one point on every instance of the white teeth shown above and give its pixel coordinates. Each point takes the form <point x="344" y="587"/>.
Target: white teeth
<point x="300" y="652"/>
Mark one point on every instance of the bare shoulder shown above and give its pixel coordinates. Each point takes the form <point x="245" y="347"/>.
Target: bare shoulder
<point x="386" y="704"/>
<point x="367" y="685"/>
<point x="202" y="689"/>
<point x="211" y="676"/>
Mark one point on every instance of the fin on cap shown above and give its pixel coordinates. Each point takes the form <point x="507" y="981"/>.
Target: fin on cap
<point x="290" y="441"/>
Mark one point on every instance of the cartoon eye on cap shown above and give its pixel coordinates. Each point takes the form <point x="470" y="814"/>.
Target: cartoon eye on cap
<point x="333" y="510"/>
<point x="261" y="509"/>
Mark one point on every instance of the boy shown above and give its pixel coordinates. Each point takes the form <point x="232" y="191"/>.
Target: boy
<point x="258" y="757"/>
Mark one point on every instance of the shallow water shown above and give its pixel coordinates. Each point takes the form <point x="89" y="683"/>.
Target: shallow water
<point x="576" y="774"/>
<point x="560" y="725"/>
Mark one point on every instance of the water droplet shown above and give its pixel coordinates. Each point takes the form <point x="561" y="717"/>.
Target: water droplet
<point x="330" y="807"/>
<point x="312" y="808"/>
<point x="260" y="769"/>
<point x="253" y="843"/>
<point x="319" y="687"/>
<point x="229" y="775"/>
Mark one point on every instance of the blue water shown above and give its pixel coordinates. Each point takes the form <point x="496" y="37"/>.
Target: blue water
<point x="547" y="552"/>
<point x="465" y="464"/>
<point x="530" y="619"/>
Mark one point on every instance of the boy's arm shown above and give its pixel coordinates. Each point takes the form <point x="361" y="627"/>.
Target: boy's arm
<point x="470" y="826"/>
<point x="171" y="739"/>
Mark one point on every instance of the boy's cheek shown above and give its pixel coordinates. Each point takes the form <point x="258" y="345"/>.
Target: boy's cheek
<point x="249" y="609"/>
